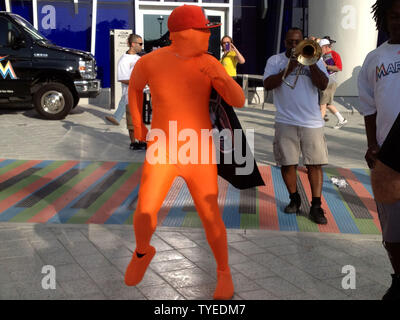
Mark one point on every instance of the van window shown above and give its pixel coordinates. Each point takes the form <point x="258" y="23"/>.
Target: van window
<point x="5" y="26"/>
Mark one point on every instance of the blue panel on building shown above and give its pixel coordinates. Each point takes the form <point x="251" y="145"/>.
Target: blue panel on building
<point x="110" y="16"/>
<point x="65" y="24"/>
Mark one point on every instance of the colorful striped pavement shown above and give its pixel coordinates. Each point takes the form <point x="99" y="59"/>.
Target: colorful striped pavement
<point x="87" y="192"/>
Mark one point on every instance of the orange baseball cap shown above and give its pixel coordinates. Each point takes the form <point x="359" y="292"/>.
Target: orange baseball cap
<point x="189" y="17"/>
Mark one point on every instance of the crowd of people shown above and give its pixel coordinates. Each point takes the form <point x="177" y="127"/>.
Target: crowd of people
<point x="302" y="96"/>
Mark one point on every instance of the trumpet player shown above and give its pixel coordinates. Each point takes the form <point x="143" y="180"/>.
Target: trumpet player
<point x="298" y="123"/>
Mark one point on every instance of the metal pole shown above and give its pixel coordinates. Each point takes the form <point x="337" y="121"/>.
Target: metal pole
<point x="35" y="14"/>
<point x="94" y="23"/>
<point x="278" y="45"/>
<point x="8" y="6"/>
<point x="76" y="6"/>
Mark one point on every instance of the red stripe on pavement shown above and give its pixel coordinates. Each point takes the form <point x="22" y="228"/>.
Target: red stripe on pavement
<point x="267" y="204"/>
<point x="12" y="173"/>
<point x="331" y="226"/>
<point x="60" y="203"/>
<point x="116" y="200"/>
<point x="170" y="200"/>
<point x="28" y="190"/>
<point x="362" y="193"/>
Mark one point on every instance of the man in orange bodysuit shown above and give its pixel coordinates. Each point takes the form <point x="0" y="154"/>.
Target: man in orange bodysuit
<point x="180" y="78"/>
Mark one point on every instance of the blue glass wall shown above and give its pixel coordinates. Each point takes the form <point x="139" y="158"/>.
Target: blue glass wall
<point x="23" y="8"/>
<point x="66" y="24"/>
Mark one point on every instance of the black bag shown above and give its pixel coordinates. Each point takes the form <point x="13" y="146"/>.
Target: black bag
<point x="390" y="151"/>
<point x="223" y="117"/>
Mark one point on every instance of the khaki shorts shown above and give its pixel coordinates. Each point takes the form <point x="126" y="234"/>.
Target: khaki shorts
<point x="328" y="94"/>
<point x="290" y="141"/>
<point x="129" y="123"/>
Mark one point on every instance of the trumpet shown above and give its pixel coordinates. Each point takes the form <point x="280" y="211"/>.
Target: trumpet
<point x="307" y="53"/>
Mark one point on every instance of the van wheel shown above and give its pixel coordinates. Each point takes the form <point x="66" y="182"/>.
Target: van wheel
<point x="53" y="101"/>
<point x="76" y="100"/>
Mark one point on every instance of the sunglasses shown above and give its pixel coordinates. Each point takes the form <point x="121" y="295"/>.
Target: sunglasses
<point x="139" y="43"/>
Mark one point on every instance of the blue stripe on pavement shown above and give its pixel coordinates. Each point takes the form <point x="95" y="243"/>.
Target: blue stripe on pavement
<point x="341" y="214"/>
<point x="287" y="222"/>
<point x="231" y="215"/>
<point x="6" y="163"/>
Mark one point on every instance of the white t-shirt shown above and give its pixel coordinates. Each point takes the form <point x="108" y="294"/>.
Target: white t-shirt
<point x="299" y="106"/>
<point x="125" y="66"/>
<point x="379" y="87"/>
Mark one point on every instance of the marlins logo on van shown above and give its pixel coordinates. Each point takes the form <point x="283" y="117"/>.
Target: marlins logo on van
<point x="7" y="70"/>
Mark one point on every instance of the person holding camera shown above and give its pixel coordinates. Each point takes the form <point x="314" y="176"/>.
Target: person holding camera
<point x="231" y="56"/>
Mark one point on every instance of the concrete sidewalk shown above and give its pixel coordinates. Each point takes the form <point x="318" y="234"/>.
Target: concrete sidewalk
<point x="90" y="260"/>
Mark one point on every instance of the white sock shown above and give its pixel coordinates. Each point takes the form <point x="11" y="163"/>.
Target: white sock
<point x="339" y="116"/>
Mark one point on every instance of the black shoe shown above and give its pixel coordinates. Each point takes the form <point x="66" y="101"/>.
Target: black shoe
<point x="294" y="205"/>
<point x="393" y="292"/>
<point x="317" y="215"/>
<point x="138" y="146"/>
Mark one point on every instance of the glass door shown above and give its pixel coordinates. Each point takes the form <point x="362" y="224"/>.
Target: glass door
<point x="216" y="33"/>
<point x="155" y="29"/>
<point x="153" y="25"/>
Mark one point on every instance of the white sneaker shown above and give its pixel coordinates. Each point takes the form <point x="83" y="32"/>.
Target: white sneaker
<point x="340" y="124"/>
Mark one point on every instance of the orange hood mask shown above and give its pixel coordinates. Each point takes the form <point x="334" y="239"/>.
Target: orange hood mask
<point x="190" y="42"/>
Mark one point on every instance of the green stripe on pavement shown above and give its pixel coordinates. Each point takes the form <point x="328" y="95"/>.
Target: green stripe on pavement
<point x="129" y="221"/>
<point x="192" y="220"/>
<point x="306" y="225"/>
<point x="367" y="226"/>
<point x="251" y="221"/>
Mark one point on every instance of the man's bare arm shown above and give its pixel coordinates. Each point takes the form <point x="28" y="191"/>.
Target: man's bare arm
<point x="318" y="77"/>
